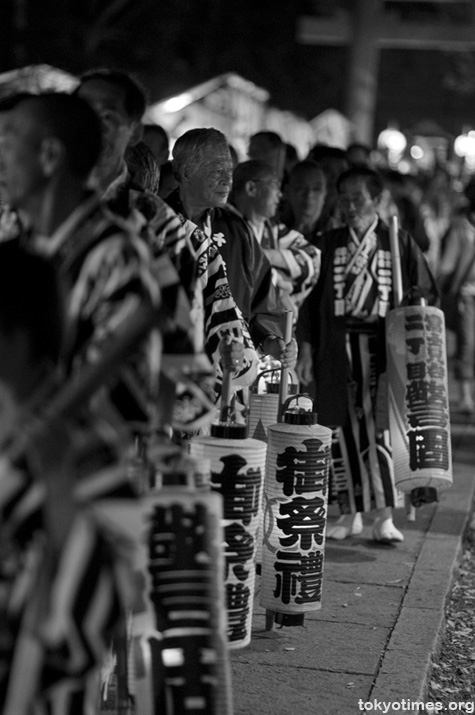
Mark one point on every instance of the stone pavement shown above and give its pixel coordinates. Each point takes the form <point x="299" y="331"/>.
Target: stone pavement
<point x="382" y="615"/>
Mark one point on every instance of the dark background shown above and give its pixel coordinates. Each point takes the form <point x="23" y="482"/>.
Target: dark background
<point x="173" y="44"/>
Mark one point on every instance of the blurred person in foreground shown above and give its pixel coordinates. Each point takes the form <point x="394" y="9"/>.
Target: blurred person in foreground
<point x="204" y="169"/>
<point x="10" y="219"/>
<point x="50" y="145"/>
<point x="58" y="558"/>
<point x="295" y="263"/>
<point x="120" y="103"/>
<point x="342" y="346"/>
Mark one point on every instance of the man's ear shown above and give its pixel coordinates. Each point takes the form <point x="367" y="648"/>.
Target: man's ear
<point x="183" y="175"/>
<point x="52" y="154"/>
<point x="250" y="187"/>
<point x="137" y="133"/>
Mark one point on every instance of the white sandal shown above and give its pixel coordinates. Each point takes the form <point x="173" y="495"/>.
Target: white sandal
<point x="345" y="526"/>
<point x="385" y="532"/>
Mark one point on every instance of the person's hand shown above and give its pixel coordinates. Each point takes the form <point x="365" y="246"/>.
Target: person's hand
<point x="305" y="364"/>
<point x="232" y="354"/>
<point x="276" y="348"/>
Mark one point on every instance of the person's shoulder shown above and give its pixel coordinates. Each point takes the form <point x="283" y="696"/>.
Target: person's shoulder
<point x="229" y="221"/>
<point x="229" y="215"/>
<point x="153" y="207"/>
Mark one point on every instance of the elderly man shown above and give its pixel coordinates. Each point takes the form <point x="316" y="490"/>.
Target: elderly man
<point x="203" y="167"/>
<point x="120" y="103"/>
<point x="342" y="332"/>
<point x="295" y="262"/>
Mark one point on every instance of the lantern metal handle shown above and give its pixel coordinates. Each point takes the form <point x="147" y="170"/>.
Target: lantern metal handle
<point x="290" y="374"/>
<point x="296" y="397"/>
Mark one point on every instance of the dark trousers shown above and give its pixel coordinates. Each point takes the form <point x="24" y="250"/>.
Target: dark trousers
<point x="465" y="353"/>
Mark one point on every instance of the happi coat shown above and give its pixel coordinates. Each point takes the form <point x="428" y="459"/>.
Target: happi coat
<point x="323" y="320"/>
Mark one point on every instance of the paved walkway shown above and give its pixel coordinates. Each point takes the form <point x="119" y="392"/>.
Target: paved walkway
<point x="381" y="621"/>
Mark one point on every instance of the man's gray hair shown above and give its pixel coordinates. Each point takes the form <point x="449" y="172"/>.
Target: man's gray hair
<point x="191" y="148"/>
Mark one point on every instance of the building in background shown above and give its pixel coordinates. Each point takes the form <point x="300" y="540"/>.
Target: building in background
<point x="235" y="106"/>
<point x="36" y="79"/>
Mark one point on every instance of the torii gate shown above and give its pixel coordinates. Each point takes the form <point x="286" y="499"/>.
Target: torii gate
<point x="367" y="29"/>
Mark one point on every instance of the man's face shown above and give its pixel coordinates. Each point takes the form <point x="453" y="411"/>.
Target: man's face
<point x="306" y="193"/>
<point x="20" y="167"/>
<point x="357" y="205"/>
<point x="267" y="195"/>
<point x="117" y="127"/>
<point x="210" y="183"/>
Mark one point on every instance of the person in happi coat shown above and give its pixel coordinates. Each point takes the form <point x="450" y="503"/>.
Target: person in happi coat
<point x="255" y="196"/>
<point x="204" y="169"/>
<point x="342" y="346"/>
<point x="65" y="577"/>
<point x="51" y="143"/>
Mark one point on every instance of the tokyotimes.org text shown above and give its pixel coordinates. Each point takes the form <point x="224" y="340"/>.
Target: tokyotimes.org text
<point x="412" y="706"/>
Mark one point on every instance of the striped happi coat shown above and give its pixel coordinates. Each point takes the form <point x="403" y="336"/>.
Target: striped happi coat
<point x="58" y="611"/>
<point x="107" y="273"/>
<point x="221" y="312"/>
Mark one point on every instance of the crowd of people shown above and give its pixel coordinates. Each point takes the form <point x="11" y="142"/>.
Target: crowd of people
<point x="199" y="257"/>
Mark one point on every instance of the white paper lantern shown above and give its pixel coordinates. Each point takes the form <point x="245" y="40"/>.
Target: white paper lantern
<point x="237" y="473"/>
<point x="419" y="418"/>
<point x="294" y="516"/>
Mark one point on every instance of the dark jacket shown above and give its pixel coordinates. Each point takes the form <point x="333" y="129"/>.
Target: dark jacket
<point x="248" y="270"/>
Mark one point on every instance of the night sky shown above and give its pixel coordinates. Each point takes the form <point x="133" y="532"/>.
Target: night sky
<point x="173" y="44"/>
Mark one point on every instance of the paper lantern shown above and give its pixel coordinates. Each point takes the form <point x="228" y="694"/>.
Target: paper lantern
<point x="419" y="418"/>
<point x="185" y="569"/>
<point x="178" y="654"/>
<point x="237" y="473"/>
<point x="264" y="406"/>
<point x="294" y="515"/>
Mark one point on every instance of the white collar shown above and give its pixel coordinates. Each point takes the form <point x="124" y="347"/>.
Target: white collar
<point x="368" y="232"/>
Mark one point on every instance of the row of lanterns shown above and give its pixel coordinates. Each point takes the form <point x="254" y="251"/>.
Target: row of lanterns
<point x="263" y="498"/>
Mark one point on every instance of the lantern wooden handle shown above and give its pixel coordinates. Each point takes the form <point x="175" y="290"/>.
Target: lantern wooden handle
<point x="396" y="260"/>
<point x="226" y="391"/>
<point x="283" y="387"/>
